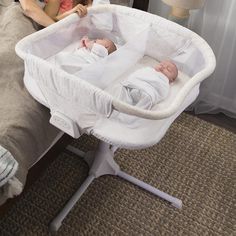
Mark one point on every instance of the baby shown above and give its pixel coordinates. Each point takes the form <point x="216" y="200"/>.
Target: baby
<point x="148" y="86"/>
<point x="106" y="43"/>
<point x="144" y="88"/>
<point x="87" y="52"/>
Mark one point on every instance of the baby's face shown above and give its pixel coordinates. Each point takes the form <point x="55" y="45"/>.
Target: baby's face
<point x="169" y="69"/>
<point x="104" y="42"/>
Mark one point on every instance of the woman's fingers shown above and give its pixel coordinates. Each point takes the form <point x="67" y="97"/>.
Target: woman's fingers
<point x="81" y="10"/>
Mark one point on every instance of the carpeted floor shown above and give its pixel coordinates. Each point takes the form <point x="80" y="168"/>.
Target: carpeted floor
<point x="195" y="161"/>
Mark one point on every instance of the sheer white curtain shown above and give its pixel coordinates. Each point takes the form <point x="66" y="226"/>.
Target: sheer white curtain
<point x="216" y="24"/>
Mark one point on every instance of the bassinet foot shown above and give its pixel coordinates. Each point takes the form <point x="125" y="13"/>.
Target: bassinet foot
<point x="56" y="223"/>
<point x="54" y="226"/>
<point x="178" y="203"/>
<point x="174" y="201"/>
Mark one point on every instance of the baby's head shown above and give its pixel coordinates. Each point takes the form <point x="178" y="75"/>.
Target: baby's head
<point x="107" y="43"/>
<point x="169" y="69"/>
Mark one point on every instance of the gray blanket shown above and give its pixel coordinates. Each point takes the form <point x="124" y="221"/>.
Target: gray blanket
<point x="25" y="131"/>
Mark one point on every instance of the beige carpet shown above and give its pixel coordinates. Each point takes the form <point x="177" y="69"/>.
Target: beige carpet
<point x="196" y="162"/>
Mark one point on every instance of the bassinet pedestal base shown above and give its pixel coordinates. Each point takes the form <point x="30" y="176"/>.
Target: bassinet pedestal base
<point x="102" y="163"/>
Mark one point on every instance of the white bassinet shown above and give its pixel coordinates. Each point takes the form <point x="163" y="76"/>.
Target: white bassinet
<point x="83" y="101"/>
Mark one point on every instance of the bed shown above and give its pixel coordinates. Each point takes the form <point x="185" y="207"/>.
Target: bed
<point x="25" y="132"/>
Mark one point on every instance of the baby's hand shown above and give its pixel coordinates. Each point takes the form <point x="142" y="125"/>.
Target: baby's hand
<point x="80" y="9"/>
<point x="84" y="41"/>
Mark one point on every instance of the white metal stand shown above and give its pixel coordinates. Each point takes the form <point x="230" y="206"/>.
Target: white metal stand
<point x="102" y="163"/>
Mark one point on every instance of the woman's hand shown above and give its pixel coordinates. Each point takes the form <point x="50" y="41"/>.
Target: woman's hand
<point x="80" y="10"/>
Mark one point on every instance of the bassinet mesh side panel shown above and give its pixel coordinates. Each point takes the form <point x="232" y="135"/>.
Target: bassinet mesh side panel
<point x="64" y="93"/>
<point x="55" y="41"/>
<point x="162" y="44"/>
<point x="148" y="42"/>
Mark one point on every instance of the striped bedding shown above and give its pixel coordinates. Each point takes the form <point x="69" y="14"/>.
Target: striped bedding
<point x="8" y="166"/>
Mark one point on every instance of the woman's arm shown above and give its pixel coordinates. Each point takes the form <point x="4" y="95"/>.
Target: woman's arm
<point x="33" y="10"/>
<point x="89" y="3"/>
<point x="52" y="8"/>
<point x="79" y="9"/>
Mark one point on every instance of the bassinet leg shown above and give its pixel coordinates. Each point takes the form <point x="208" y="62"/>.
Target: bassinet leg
<point x="87" y="156"/>
<point x="75" y="151"/>
<point x="174" y="201"/>
<point x="102" y="162"/>
<point x="56" y="223"/>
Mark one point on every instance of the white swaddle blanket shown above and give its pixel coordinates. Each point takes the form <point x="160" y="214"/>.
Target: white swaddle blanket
<point x="74" y="61"/>
<point x="144" y="88"/>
